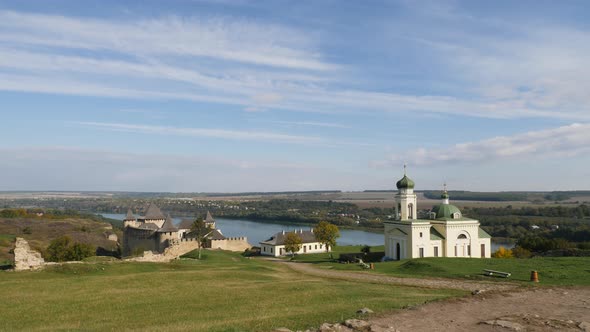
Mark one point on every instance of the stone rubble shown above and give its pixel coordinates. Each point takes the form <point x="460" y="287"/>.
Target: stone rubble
<point x="505" y="324"/>
<point x="350" y="325"/>
<point x="26" y="258"/>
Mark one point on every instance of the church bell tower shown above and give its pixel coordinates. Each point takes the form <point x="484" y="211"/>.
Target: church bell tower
<point x="406" y="207"/>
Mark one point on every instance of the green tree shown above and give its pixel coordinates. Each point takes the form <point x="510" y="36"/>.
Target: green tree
<point x="64" y="249"/>
<point x="57" y="251"/>
<point x="326" y="234"/>
<point x="200" y="230"/>
<point x="292" y="243"/>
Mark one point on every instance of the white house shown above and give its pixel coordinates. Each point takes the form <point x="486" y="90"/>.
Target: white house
<point x="275" y="245"/>
<point x="446" y="232"/>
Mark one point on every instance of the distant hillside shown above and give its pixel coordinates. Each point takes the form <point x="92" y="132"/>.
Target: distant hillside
<point x="505" y="196"/>
<point x="39" y="231"/>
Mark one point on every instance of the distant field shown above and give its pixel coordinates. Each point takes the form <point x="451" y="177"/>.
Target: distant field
<point x="224" y="292"/>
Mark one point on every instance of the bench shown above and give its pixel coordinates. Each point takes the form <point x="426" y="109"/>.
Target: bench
<point x="497" y="273"/>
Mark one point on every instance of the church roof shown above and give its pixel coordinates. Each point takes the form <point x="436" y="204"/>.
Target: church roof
<point x="483" y="234"/>
<point x="446" y="211"/>
<point x="279" y="238"/>
<point x="405" y="183"/>
<point x="168" y="226"/>
<point x="435" y="235"/>
<point x="130" y="215"/>
<point x="154" y="212"/>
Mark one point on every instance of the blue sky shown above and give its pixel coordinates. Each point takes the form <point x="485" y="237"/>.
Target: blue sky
<point x="230" y="95"/>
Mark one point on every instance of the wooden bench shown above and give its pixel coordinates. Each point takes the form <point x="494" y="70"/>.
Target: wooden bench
<point x="497" y="273"/>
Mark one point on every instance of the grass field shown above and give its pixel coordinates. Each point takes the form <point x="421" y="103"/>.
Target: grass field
<point x="222" y="292"/>
<point x="552" y="270"/>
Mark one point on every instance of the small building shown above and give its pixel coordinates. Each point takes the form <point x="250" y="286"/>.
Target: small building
<point x="445" y="233"/>
<point x="275" y="245"/>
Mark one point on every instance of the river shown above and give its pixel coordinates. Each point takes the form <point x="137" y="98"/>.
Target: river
<point x="260" y="231"/>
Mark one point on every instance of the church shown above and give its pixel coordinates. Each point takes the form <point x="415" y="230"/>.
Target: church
<point x="444" y="233"/>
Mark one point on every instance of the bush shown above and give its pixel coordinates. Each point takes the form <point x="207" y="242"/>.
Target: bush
<point x="520" y="252"/>
<point x="64" y="249"/>
<point x="503" y="253"/>
<point x="27" y="230"/>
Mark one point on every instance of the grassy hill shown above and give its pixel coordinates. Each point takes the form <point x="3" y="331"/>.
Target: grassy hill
<point x="222" y="292"/>
<point x="562" y="271"/>
<point x="39" y="232"/>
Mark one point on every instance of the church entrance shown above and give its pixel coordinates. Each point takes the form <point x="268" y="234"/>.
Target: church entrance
<point x="397" y="251"/>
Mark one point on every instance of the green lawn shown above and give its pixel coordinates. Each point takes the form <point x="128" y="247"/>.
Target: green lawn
<point x="222" y="292"/>
<point x="552" y="270"/>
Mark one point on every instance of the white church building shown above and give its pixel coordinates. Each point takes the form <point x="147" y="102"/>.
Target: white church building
<point x="445" y="233"/>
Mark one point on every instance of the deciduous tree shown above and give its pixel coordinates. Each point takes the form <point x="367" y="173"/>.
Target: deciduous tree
<point x="199" y="231"/>
<point x="292" y="243"/>
<point x="326" y="234"/>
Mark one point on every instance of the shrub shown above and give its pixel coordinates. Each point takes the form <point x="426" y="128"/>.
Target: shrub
<point x="520" y="252"/>
<point x="366" y="249"/>
<point x="64" y="249"/>
<point x="27" y="230"/>
<point x="502" y="253"/>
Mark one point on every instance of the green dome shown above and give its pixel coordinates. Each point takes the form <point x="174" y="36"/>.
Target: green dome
<point x="445" y="211"/>
<point x="405" y="183"/>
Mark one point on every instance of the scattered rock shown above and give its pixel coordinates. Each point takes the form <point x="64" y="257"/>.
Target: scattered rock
<point x="26" y="258"/>
<point x="505" y="324"/>
<point x="477" y="292"/>
<point x="357" y="324"/>
<point x="327" y="327"/>
<point x="584" y="326"/>
<point x="364" y="311"/>
<point x="282" y="329"/>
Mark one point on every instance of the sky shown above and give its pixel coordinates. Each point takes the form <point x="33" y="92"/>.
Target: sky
<point x="235" y="95"/>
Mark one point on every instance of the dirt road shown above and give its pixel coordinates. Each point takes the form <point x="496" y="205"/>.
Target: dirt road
<point x="504" y="306"/>
<point x="384" y="279"/>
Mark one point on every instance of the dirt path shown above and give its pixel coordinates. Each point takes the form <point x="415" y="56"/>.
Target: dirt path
<point x="542" y="309"/>
<point x="501" y="303"/>
<point x="384" y="279"/>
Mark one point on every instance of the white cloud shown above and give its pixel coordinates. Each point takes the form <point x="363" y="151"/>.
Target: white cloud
<point x="234" y="40"/>
<point x="204" y="132"/>
<point x="312" y="124"/>
<point x="562" y="142"/>
<point x="538" y="73"/>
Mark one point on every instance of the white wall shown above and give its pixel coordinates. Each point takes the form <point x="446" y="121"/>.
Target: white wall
<point x="306" y="248"/>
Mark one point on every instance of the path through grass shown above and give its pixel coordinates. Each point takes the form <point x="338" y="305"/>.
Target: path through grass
<point x="223" y="292"/>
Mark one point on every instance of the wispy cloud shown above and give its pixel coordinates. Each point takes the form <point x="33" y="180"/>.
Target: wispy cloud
<point x="235" y="40"/>
<point x="204" y="132"/>
<point x="538" y="73"/>
<point x="561" y="142"/>
<point x="312" y="124"/>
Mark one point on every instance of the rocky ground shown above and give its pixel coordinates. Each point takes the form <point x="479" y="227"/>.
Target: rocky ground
<point x="491" y="307"/>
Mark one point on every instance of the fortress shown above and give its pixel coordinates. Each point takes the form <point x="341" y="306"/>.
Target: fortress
<point x="157" y="234"/>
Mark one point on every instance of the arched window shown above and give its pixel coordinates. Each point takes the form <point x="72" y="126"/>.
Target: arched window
<point x="410" y="211"/>
<point x="462" y="236"/>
